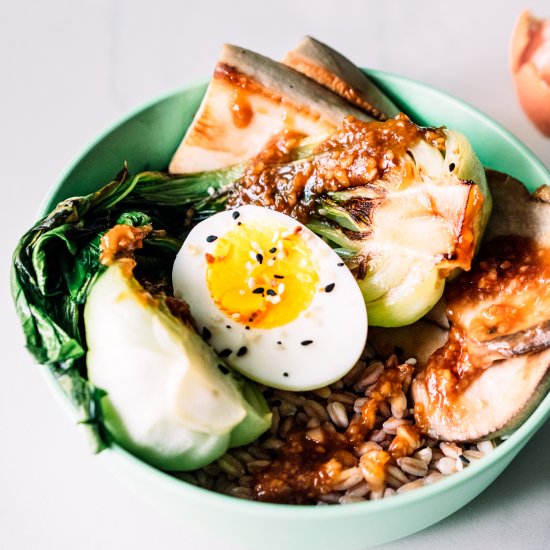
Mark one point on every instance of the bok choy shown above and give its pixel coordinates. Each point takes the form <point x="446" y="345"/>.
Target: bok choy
<point x="57" y="264"/>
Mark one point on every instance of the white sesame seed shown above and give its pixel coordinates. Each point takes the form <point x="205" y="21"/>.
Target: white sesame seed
<point x="236" y="315"/>
<point x="252" y="255"/>
<point x="273" y="299"/>
<point x="280" y="288"/>
<point x="211" y="190"/>
<point x="275" y="237"/>
<point x="270" y="263"/>
<point x="251" y="283"/>
<point x="249" y="266"/>
<point x="255" y="246"/>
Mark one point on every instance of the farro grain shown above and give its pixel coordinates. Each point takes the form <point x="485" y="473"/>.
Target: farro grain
<point x="231" y="466"/>
<point x="347" y="499"/>
<point x="355" y="373"/>
<point x="286" y="426"/>
<point x="450" y="449"/>
<point x="359" y="490"/>
<point x="272" y="444"/>
<point x="398" y="405"/>
<point x="413" y="466"/>
<point x="287" y="409"/>
<point x="241" y="492"/>
<point x="485" y="447"/>
<point x="411" y="485"/>
<point x="344" y="398"/>
<point x="323" y="393"/>
<point x="372" y="374"/>
<point x="433" y="477"/>
<point x="390" y="426"/>
<point x="446" y="465"/>
<point x="425" y="455"/>
<point x="473" y="455"/>
<point x="347" y="479"/>
<point x="397" y="473"/>
<point x="338" y="414"/>
<point x="313" y="423"/>
<point x="257" y="465"/>
<point x="275" y="419"/>
<point x="367" y="446"/>
<point x="316" y="410"/>
<point x="242" y="455"/>
<point x="316" y="434"/>
<point x="358" y="404"/>
<point x="295" y="398"/>
<point x="258" y="453"/>
<point x="378" y="436"/>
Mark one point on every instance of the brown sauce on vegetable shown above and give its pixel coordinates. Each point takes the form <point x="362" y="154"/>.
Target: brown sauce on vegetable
<point x="241" y="109"/>
<point x="507" y="290"/>
<point x="356" y="154"/>
<point x="121" y="241"/>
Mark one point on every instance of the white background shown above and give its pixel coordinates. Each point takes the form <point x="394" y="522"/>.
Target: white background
<point x="67" y="70"/>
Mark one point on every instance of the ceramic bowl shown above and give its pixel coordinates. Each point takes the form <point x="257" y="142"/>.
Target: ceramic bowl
<point x="146" y="140"/>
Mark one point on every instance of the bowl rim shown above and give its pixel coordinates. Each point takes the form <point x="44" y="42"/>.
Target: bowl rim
<point x="513" y="444"/>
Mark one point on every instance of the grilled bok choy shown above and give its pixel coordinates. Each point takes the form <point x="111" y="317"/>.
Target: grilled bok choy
<point x="169" y="398"/>
<point x="405" y="233"/>
<point x="57" y="270"/>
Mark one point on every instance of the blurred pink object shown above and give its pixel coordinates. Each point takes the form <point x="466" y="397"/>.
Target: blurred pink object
<point x="530" y="64"/>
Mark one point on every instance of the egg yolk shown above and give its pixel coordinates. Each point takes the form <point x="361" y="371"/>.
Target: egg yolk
<point x="262" y="277"/>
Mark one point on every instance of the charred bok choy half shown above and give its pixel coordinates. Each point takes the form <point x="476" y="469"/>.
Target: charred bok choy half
<point x="149" y="381"/>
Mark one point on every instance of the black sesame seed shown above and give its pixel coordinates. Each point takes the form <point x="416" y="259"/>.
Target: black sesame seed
<point x="279" y="343"/>
<point x="451" y="166"/>
<point x="259" y="258"/>
<point x="206" y="334"/>
<point x="464" y="459"/>
<point x="227" y="326"/>
<point x="211" y="238"/>
<point x="225" y="353"/>
<point x="242" y="350"/>
<point x="285" y="374"/>
<point x="279" y="276"/>
<point x="235" y="215"/>
<point x="224" y="369"/>
<point x="271" y="292"/>
<point x="330" y="287"/>
<point x="239" y="223"/>
<point x="306" y="342"/>
<point x="340" y="264"/>
<point x="247" y="327"/>
<point x="259" y="290"/>
<point x="273" y="250"/>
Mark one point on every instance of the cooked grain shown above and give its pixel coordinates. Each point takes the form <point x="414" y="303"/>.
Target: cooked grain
<point x="329" y="410"/>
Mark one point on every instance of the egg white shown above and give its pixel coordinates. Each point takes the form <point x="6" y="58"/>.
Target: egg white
<point x="335" y="322"/>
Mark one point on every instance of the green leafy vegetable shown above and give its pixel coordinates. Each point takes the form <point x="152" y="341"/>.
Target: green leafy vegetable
<point x="57" y="261"/>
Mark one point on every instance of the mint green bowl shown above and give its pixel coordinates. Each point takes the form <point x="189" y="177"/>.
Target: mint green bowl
<point x="146" y="140"/>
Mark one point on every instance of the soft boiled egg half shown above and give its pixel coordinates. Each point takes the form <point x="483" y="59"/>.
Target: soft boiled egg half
<point x="272" y="298"/>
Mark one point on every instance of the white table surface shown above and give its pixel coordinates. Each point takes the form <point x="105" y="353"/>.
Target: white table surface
<point x="67" y="70"/>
